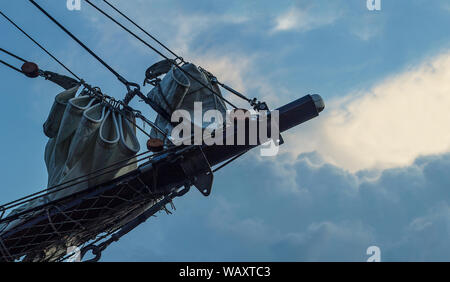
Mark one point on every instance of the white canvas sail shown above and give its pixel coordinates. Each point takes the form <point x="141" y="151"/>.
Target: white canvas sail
<point x="180" y="91"/>
<point x="84" y="136"/>
<point x="90" y="137"/>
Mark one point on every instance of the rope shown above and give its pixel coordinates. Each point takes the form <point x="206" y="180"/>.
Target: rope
<point x="159" y="53"/>
<point x="102" y="96"/>
<point x="94" y="242"/>
<point x="229" y="161"/>
<point x="131" y="93"/>
<point x="53" y="189"/>
<point x="114" y="104"/>
<point x="119" y="77"/>
<point x="93" y="174"/>
<point x="112" y="229"/>
<point x="51" y="222"/>
<point x="13" y="55"/>
<point x="69" y="218"/>
<point x="137" y="126"/>
<point x="144" y="31"/>
<point x="240" y="95"/>
<point x="4" y="251"/>
<point x="8" y="218"/>
<point x="2" y="212"/>
<point x="19" y="58"/>
<point x="11" y="66"/>
<point x="132" y="224"/>
<point x="253" y="102"/>
<point x="30" y="197"/>
<point x="39" y="45"/>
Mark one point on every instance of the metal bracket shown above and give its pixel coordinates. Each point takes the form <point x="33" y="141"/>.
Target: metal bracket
<point x="258" y="105"/>
<point x="158" y="69"/>
<point x="129" y="226"/>
<point x="62" y="80"/>
<point x="198" y="170"/>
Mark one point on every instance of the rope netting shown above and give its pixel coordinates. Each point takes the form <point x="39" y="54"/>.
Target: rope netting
<point x="46" y="232"/>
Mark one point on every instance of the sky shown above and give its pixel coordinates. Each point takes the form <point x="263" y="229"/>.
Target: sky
<point x="371" y="170"/>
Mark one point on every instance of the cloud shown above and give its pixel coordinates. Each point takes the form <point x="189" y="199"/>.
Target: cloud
<point x="330" y="214"/>
<point x="446" y="6"/>
<point x="304" y="19"/>
<point x="367" y="27"/>
<point x="366" y="33"/>
<point x="313" y="211"/>
<point x="382" y="127"/>
<point x="189" y="28"/>
<point x="319" y="206"/>
<point x="389" y="125"/>
<point x="189" y="35"/>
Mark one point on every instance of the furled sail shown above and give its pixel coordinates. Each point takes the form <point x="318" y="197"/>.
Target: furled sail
<point x="85" y="136"/>
<point x="179" y="91"/>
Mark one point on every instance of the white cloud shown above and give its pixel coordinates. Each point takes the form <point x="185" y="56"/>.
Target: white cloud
<point x="366" y="31"/>
<point x="229" y="68"/>
<point x="304" y="19"/>
<point x="184" y="33"/>
<point x="367" y="26"/>
<point x="384" y="127"/>
<point x="399" y="119"/>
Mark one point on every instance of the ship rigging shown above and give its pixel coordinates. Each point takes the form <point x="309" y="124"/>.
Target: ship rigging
<point x="93" y="200"/>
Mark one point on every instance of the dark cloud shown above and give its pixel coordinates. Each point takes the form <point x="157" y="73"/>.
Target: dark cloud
<point x="304" y="210"/>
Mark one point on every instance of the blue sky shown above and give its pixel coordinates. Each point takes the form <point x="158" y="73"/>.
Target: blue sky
<point x="371" y="170"/>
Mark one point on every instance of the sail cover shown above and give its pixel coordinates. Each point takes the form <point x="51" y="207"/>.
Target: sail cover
<point x="179" y="90"/>
<point x="84" y="136"/>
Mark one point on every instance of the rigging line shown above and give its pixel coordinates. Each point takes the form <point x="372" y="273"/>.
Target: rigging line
<point x="152" y="125"/>
<point x="39" y="45"/>
<point x="99" y="238"/>
<point x="42" y="191"/>
<point x="132" y="224"/>
<point x="6" y="251"/>
<point x="122" y="112"/>
<point x="173" y="53"/>
<point x="229" y="161"/>
<point x="138" y="127"/>
<point x="13" y="55"/>
<point x="144" y="31"/>
<point x="52" y="189"/>
<point x="119" y="77"/>
<point x="129" y="119"/>
<point x="11" y="66"/>
<point x="158" y="52"/>
<point x="74" y="179"/>
<point x="115" y="21"/>
<point x="57" y="190"/>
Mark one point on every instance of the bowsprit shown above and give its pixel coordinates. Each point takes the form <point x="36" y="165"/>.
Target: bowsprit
<point x="101" y="183"/>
